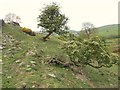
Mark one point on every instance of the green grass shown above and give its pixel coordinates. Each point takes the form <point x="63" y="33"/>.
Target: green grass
<point x="109" y="30"/>
<point x="110" y="33"/>
<point x="15" y="75"/>
<point x="104" y="77"/>
<point x="23" y="72"/>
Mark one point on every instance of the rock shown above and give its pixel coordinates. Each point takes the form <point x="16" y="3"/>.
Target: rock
<point x="28" y="66"/>
<point x="32" y="62"/>
<point x="19" y="48"/>
<point x="13" y="48"/>
<point x="1" y="47"/>
<point x="4" y="56"/>
<point x="28" y="69"/>
<point x="18" y="61"/>
<point x="33" y="86"/>
<point x="9" y="49"/>
<point x="52" y="75"/>
<point x="29" y="53"/>
<point x="3" y="44"/>
<point x="8" y="52"/>
<point x="22" y="64"/>
<point x="1" y="73"/>
<point x="12" y="40"/>
<point x="9" y="76"/>
<point x="24" y="86"/>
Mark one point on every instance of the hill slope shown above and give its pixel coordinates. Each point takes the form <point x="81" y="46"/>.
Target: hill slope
<point x="25" y="64"/>
<point x="25" y="61"/>
<point x="108" y="30"/>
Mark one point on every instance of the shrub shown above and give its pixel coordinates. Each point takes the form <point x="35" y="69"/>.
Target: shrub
<point x="92" y="52"/>
<point x="28" y="31"/>
<point x="67" y="36"/>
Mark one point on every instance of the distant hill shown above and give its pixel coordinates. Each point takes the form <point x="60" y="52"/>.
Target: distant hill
<point x="105" y="31"/>
<point x="108" y="30"/>
<point x="74" y="31"/>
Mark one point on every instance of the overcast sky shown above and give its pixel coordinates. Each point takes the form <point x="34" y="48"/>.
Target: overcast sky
<point x="98" y="12"/>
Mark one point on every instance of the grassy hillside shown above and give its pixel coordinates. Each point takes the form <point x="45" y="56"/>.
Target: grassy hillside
<point x="108" y="30"/>
<point x="25" y="64"/>
<point x="29" y="41"/>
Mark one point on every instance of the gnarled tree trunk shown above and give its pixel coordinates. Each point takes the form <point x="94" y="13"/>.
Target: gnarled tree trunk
<point x="47" y="36"/>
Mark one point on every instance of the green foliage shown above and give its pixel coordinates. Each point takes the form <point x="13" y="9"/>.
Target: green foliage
<point x="67" y="36"/>
<point x="92" y="52"/>
<point x="52" y="20"/>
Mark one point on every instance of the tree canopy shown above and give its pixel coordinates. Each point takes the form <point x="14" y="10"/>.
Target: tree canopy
<point x="11" y="17"/>
<point x="88" y="29"/>
<point x="52" y="20"/>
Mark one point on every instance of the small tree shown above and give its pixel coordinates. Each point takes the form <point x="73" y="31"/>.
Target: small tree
<point x="52" y="20"/>
<point x="11" y="17"/>
<point x="88" y="29"/>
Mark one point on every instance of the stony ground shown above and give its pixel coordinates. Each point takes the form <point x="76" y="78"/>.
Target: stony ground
<point x="25" y="64"/>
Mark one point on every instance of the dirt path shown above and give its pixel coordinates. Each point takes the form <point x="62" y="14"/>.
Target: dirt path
<point x="83" y="78"/>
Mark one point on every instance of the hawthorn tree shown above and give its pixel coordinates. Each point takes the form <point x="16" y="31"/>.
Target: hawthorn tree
<point x="11" y="17"/>
<point x="52" y="20"/>
<point x="88" y="29"/>
<point x="92" y="52"/>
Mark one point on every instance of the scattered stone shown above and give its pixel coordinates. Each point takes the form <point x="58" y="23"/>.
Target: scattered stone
<point x="28" y="66"/>
<point x="52" y="75"/>
<point x="111" y="84"/>
<point x="19" y="48"/>
<point x="32" y="62"/>
<point x="24" y="86"/>
<point x="18" y="61"/>
<point x="33" y="86"/>
<point x="28" y="69"/>
<point x="9" y="76"/>
<point x="3" y="44"/>
<point x="13" y="48"/>
<point x="12" y="40"/>
<point x="1" y="48"/>
<point x="29" y="53"/>
<point x="21" y="64"/>
<point x="0" y="73"/>
<point x="4" y="56"/>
